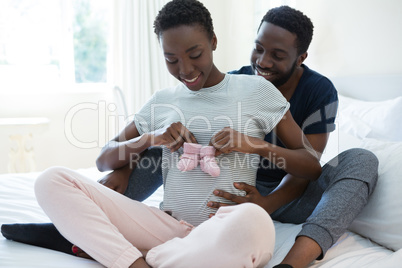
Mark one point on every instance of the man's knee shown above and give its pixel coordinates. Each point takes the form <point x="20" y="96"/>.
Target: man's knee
<point x="361" y="155"/>
<point x="368" y="162"/>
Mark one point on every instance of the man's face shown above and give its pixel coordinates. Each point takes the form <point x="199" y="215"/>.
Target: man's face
<point x="274" y="56"/>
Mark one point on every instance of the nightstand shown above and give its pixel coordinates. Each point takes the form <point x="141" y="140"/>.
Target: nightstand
<point x="21" y="133"/>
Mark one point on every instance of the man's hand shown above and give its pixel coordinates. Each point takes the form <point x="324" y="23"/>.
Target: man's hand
<point x="252" y="196"/>
<point x="116" y="180"/>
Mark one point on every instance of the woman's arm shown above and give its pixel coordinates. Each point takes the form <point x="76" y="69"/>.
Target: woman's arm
<point x="129" y="144"/>
<point x="118" y="152"/>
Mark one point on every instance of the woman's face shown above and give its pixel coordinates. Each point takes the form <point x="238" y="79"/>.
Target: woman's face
<point x="188" y="54"/>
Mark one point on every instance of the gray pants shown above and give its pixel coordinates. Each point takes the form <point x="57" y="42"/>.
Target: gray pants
<point x="327" y="207"/>
<point x="332" y="202"/>
<point x="146" y="178"/>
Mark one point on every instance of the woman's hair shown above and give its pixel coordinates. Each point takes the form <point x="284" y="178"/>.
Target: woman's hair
<point x="295" y="22"/>
<point x="183" y="12"/>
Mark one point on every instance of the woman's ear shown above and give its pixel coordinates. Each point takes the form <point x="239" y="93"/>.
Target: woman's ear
<point x="214" y="42"/>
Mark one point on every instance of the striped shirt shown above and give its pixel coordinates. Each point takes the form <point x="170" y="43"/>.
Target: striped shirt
<point x="247" y="104"/>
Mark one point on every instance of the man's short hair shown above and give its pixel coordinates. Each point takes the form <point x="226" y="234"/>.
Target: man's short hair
<point x="295" y="22"/>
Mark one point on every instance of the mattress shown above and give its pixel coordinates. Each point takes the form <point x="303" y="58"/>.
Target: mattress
<point x="18" y="204"/>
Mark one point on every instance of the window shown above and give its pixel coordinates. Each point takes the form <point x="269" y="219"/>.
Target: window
<point x="53" y="44"/>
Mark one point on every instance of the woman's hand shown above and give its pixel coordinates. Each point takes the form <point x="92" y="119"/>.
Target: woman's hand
<point x="228" y="140"/>
<point x="172" y="136"/>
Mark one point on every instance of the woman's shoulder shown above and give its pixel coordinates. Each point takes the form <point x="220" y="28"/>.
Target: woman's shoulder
<point x="254" y="87"/>
<point x="247" y="80"/>
<point x="168" y="92"/>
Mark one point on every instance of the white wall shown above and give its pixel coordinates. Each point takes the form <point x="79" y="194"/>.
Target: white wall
<point x="85" y="113"/>
<point x="359" y="37"/>
<point x="234" y="26"/>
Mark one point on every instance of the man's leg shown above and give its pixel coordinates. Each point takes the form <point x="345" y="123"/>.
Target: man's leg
<point x="329" y="205"/>
<point x="333" y="214"/>
<point x="146" y="177"/>
<point x="143" y="182"/>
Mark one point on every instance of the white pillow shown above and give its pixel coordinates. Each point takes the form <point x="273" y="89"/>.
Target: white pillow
<point x="371" y="119"/>
<point x="381" y="219"/>
<point x="338" y="142"/>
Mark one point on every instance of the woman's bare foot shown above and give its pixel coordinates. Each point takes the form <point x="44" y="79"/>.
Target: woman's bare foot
<point x="80" y="253"/>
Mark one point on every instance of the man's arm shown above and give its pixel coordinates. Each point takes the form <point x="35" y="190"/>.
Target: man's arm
<point x="290" y="188"/>
<point x="117" y="180"/>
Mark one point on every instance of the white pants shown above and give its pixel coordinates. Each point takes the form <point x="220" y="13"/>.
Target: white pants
<point x="112" y="228"/>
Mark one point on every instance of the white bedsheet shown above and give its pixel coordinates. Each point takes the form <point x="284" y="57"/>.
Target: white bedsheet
<point x="18" y="204"/>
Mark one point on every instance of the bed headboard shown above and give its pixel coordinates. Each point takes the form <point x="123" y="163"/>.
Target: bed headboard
<point x="369" y="88"/>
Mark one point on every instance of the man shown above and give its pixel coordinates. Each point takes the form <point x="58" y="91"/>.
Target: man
<point x="326" y="206"/>
<point x="346" y="182"/>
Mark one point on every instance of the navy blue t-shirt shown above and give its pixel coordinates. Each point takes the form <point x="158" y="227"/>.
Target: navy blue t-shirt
<point x="314" y="105"/>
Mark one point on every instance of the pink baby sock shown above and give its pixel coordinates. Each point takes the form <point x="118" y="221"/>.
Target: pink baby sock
<point x="208" y="163"/>
<point x="190" y="157"/>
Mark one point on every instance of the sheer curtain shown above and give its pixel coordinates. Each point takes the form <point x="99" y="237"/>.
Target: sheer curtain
<point x="138" y="64"/>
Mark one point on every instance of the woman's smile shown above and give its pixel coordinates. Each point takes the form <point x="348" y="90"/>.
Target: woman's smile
<point x="191" y="82"/>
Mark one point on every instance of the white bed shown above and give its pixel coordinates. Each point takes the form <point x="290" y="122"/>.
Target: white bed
<point x="375" y="237"/>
